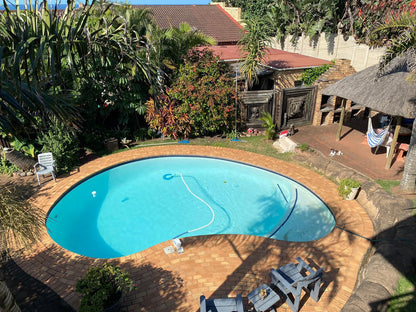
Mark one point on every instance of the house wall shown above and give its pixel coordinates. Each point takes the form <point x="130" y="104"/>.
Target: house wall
<point x="234" y="12"/>
<point x="341" y="69"/>
<point x="286" y="78"/>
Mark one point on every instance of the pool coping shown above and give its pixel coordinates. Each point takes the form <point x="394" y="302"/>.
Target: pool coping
<point x="233" y="255"/>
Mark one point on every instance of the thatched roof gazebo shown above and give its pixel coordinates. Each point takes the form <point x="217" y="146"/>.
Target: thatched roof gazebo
<point x="390" y="93"/>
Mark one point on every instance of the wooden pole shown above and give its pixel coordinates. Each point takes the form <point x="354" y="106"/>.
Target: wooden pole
<point x="393" y="143"/>
<point x="341" y="119"/>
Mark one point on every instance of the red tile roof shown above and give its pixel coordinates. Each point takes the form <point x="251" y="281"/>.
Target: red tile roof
<point x="275" y="58"/>
<point x="212" y="20"/>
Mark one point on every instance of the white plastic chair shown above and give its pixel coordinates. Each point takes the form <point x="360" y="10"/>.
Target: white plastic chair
<point x="45" y="165"/>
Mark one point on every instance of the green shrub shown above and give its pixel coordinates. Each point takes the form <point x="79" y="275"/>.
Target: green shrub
<point x="64" y="146"/>
<point x="346" y="185"/>
<point x="201" y="100"/>
<point x="6" y="167"/>
<point x="304" y="147"/>
<point x="102" y="287"/>
<point x="269" y="125"/>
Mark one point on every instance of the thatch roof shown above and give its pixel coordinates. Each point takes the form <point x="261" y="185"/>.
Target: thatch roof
<point x="390" y="94"/>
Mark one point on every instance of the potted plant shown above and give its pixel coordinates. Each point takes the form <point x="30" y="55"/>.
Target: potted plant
<point x="348" y="188"/>
<point x="102" y="287"/>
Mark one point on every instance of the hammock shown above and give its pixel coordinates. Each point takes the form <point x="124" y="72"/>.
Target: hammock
<point x="375" y="139"/>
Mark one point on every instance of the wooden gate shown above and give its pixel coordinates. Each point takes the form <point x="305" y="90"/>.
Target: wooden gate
<point x="254" y="104"/>
<point x="297" y="106"/>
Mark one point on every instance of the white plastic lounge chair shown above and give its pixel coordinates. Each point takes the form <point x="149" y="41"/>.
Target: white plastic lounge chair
<point x="291" y="279"/>
<point x="222" y="305"/>
<point x="45" y="165"/>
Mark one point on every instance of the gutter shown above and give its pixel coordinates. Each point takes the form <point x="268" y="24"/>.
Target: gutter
<point x="271" y="67"/>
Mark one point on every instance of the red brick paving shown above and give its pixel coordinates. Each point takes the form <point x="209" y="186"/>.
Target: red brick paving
<point x="356" y="152"/>
<point x="215" y="266"/>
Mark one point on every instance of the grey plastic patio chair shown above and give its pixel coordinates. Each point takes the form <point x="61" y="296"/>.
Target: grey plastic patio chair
<point x="291" y="279"/>
<point x="45" y="165"/>
<point x="222" y="305"/>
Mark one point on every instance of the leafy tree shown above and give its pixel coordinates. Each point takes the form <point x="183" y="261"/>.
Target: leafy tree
<point x="362" y="17"/>
<point x="200" y="100"/>
<point x="168" y="48"/>
<point x="251" y="9"/>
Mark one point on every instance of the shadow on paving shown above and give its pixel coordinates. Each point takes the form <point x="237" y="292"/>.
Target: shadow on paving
<point x="31" y="295"/>
<point x="155" y="285"/>
<point x="393" y="254"/>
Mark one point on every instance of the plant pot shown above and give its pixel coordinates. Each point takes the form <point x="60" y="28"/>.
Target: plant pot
<point x="353" y="193"/>
<point x="115" y="307"/>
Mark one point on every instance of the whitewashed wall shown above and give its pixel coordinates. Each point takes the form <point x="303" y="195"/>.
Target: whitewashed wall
<point x="361" y="55"/>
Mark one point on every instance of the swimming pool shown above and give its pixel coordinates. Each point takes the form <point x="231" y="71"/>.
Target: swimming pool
<point x="131" y="207"/>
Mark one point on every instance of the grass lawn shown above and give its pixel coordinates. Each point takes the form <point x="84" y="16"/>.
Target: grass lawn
<point x="256" y="144"/>
<point x="404" y="300"/>
<point x="388" y="184"/>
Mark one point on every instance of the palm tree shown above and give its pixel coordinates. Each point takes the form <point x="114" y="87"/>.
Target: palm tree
<point x="404" y="44"/>
<point x="254" y="44"/>
<point x="167" y="49"/>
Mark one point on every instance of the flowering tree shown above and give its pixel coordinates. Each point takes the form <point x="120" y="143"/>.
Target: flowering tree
<point x="200" y="100"/>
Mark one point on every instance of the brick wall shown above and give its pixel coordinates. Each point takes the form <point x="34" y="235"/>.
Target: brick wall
<point x="341" y="69"/>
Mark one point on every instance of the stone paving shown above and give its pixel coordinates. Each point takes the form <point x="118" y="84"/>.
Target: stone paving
<point x="214" y="266"/>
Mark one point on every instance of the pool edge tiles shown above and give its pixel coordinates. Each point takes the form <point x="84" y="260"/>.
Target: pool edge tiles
<point x="103" y="240"/>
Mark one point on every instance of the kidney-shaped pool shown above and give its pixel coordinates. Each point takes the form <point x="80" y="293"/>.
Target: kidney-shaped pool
<point x="136" y="205"/>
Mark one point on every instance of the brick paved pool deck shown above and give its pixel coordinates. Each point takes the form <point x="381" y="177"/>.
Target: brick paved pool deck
<point x="214" y="266"/>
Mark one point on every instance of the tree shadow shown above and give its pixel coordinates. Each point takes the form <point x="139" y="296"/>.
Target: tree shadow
<point x="29" y="293"/>
<point x="155" y="286"/>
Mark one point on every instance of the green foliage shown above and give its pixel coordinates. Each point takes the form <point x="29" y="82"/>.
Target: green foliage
<point x="21" y="223"/>
<point x="310" y="75"/>
<point x="367" y="16"/>
<point x="200" y="102"/>
<point x="63" y="145"/>
<point x="387" y="185"/>
<point x="22" y="146"/>
<point x="270" y="126"/>
<point x="7" y="167"/>
<point x="404" y="300"/>
<point x="304" y="147"/>
<point x="312" y="17"/>
<point x="254" y="44"/>
<point x="36" y="46"/>
<point x="404" y="42"/>
<point x="346" y="185"/>
<point x="250" y="9"/>
<point x="102" y="287"/>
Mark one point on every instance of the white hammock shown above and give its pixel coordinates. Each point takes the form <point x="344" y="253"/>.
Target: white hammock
<point x="375" y="139"/>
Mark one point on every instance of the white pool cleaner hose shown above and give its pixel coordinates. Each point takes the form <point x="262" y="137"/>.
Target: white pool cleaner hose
<point x="200" y="199"/>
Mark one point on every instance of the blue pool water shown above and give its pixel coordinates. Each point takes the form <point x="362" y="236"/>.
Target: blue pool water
<point x="134" y="206"/>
